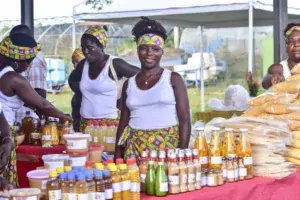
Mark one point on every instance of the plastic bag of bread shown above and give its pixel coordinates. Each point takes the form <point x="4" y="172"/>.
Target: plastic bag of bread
<point x="293" y="125"/>
<point x="292" y="160"/>
<point x="296" y="69"/>
<point x="260" y="158"/>
<point x="260" y="99"/>
<point x="291" y="87"/>
<point x="254" y="111"/>
<point x="292" y="116"/>
<point x="280" y="109"/>
<point x="283" y="98"/>
<point x="278" y="171"/>
<point x="295" y="144"/>
<point x="293" y="152"/>
<point x="293" y="78"/>
<point x="296" y="135"/>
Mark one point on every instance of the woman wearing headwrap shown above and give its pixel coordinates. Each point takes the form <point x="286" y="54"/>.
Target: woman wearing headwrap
<point x="279" y="72"/>
<point x="98" y="78"/>
<point x="16" y="53"/>
<point x="77" y="56"/>
<point x="155" y="114"/>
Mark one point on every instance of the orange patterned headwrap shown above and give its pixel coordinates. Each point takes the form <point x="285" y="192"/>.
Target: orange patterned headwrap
<point x="77" y="53"/>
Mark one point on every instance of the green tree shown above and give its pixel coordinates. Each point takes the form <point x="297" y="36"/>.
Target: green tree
<point x="98" y="4"/>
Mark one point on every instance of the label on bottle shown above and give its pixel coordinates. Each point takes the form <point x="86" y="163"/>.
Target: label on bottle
<point x="198" y="176"/>
<point x="69" y="196"/>
<point x="21" y="198"/>
<point x="125" y="185"/>
<point x="53" y="165"/>
<point x="242" y="172"/>
<point x="211" y="180"/>
<point x="108" y="193"/>
<point x="77" y="161"/>
<point x="54" y="194"/>
<point x="174" y="180"/>
<point x="46" y="137"/>
<point x="99" y="196"/>
<point x="191" y="178"/>
<point x="216" y="160"/>
<point x="91" y="195"/>
<point x="203" y="160"/>
<point x="77" y="144"/>
<point x="247" y="160"/>
<point x="231" y="155"/>
<point x="163" y="187"/>
<point x="236" y="173"/>
<point x="110" y="140"/>
<point x="82" y="196"/>
<point x="143" y="178"/>
<point x="184" y="178"/>
<point x="224" y="172"/>
<point x="95" y="139"/>
<point x="203" y="180"/>
<point x="91" y="138"/>
<point x="44" y="184"/>
<point x="230" y="173"/>
<point x="135" y="187"/>
<point x="35" y="136"/>
<point x="116" y="187"/>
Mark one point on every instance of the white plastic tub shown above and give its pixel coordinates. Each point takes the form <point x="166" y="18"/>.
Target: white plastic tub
<point x="38" y="179"/>
<point x="77" y="143"/>
<point x="25" y="194"/>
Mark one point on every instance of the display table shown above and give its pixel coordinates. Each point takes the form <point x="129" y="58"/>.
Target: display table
<point x="254" y="189"/>
<point x="207" y="116"/>
<point x="30" y="157"/>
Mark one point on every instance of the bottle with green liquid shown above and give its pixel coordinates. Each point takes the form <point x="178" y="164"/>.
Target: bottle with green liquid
<point x="161" y="182"/>
<point x="150" y="179"/>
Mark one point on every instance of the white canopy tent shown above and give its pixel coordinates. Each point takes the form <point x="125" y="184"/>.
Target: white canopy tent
<point x="193" y="13"/>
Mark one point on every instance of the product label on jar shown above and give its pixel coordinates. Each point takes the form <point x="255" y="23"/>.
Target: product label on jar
<point x="82" y="196"/>
<point x="54" y="194"/>
<point x="203" y="181"/>
<point x="216" y="160"/>
<point x="110" y="140"/>
<point x="203" y="160"/>
<point x="99" y="196"/>
<point x="125" y="185"/>
<point x="46" y="137"/>
<point x="143" y="178"/>
<point x="91" y="139"/>
<point x="231" y="155"/>
<point x="91" y="195"/>
<point x="174" y="180"/>
<point x="22" y="198"/>
<point x="184" y="178"/>
<point x="44" y="184"/>
<point x="224" y="172"/>
<point x="95" y="139"/>
<point x="69" y="196"/>
<point x="230" y="173"/>
<point x="247" y="160"/>
<point x="242" y="172"/>
<point x="135" y="187"/>
<point x="198" y="176"/>
<point x="211" y="180"/>
<point x="236" y="173"/>
<point x="77" y="144"/>
<point x="78" y="161"/>
<point x="116" y="187"/>
<point x="163" y="187"/>
<point x="108" y="193"/>
<point x="191" y="178"/>
<point x="53" y="165"/>
<point x="35" y="135"/>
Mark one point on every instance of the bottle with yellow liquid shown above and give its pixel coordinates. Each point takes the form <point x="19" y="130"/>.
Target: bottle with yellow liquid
<point x="91" y="185"/>
<point x="215" y="150"/>
<point x="68" y="193"/>
<point x="63" y="181"/>
<point x="125" y="182"/>
<point x="229" y="147"/>
<point x="53" y="187"/>
<point x="201" y="145"/>
<point x="244" y="150"/>
<point x="81" y="187"/>
<point x="116" y="183"/>
<point x="134" y="173"/>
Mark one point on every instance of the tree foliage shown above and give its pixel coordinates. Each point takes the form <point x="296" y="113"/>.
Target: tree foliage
<point x="98" y="4"/>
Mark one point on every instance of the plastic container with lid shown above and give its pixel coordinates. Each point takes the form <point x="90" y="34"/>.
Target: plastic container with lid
<point x="78" y="160"/>
<point x="25" y="194"/>
<point x="95" y="153"/>
<point x="38" y="179"/>
<point x="77" y="142"/>
<point x="53" y="161"/>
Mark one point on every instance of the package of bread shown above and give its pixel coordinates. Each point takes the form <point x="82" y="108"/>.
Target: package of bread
<point x="296" y="135"/>
<point x="279" y="109"/>
<point x="254" y="111"/>
<point x="291" y="87"/>
<point x="293" y="152"/>
<point x="278" y="171"/>
<point x="295" y="144"/>
<point x="260" y="99"/>
<point x="292" y="160"/>
<point x="293" y="78"/>
<point x="283" y="98"/>
<point x="296" y="102"/>
<point x="296" y="69"/>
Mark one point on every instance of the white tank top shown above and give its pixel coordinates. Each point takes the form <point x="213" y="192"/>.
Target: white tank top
<point x="286" y="69"/>
<point x="153" y="108"/>
<point x="10" y="105"/>
<point x="99" y="96"/>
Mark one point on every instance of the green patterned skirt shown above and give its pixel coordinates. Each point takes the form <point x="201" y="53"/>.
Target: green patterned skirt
<point x="135" y="141"/>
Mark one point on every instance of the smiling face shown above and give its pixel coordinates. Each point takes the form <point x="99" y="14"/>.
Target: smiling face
<point x="150" y="55"/>
<point x="293" y="46"/>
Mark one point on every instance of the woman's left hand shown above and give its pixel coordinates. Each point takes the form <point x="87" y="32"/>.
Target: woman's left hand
<point x="5" y="149"/>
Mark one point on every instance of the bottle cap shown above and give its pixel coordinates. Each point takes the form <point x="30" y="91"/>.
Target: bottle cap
<point x="200" y="129"/>
<point x="59" y="170"/>
<point x="53" y="174"/>
<point x="106" y="172"/>
<point x="95" y="122"/>
<point x="119" y="161"/>
<point x="76" y="168"/>
<point x="88" y="175"/>
<point x="110" y="165"/>
<point x="123" y="166"/>
<point x="68" y="168"/>
<point x="63" y="175"/>
<point x="98" y="173"/>
<point x="89" y="164"/>
<point x="215" y="129"/>
<point x="243" y="129"/>
<point x="99" y="166"/>
<point x="71" y="176"/>
<point x="113" y="168"/>
<point x="28" y="112"/>
<point x="90" y="123"/>
<point x="80" y="176"/>
<point x="110" y="160"/>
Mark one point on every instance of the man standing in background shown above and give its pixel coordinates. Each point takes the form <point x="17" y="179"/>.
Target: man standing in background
<point x="36" y="74"/>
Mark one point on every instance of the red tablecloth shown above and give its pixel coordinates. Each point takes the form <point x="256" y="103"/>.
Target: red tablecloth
<point x="257" y="189"/>
<point x="30" y="157"/>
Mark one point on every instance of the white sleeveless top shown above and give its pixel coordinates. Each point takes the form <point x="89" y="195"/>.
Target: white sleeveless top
<point x="286" y="69"/>
<point x="153" y="108"/>
<point x="99" y="96"/>
<point x="10" y="105"/>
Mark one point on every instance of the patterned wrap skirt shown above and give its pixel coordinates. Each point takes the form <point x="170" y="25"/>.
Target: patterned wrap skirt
<point x="135" y="141"/>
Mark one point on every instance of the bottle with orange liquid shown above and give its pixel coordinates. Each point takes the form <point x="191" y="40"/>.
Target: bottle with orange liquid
<point x="201" y="145"/>
<point x="116" y="183"/>
<point x="244" y="150"/>
<point x="215" y="150"/>
<point x="125" y="177"/>
<point x="229" y="147"/>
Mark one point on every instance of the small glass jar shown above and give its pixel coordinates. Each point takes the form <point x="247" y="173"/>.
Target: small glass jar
<point x="220" y="177"/>
<point x="95" y="153"/>
<point x="212" y="178"/>
<point x="204" y="177"/>
<point x="54" y="133"/>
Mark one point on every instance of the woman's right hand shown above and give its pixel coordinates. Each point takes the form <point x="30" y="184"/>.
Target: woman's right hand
<point x="65" y="118"/>
<point x="277" y="78"/>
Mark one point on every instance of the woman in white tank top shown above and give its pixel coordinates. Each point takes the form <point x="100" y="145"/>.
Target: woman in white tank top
<point x="279" y="72"/>
<point x="97" y="79"/>
<point x="156" y="112"/>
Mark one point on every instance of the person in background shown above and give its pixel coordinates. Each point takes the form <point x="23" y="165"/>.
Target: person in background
<point x="156" y="112"/>
<point x="280" y="71"/>
<point x="36" y="73"/>
<point x="15" y="89"/>
<point x="77" y="56"/>
<point x="98" y="78"/>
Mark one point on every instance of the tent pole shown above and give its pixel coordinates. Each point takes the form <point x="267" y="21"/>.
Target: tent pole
<point x="250" y="36"/>
<point x="202" y="70"/>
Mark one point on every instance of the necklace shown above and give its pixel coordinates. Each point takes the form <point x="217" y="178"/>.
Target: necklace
<point x="146" y="81"/>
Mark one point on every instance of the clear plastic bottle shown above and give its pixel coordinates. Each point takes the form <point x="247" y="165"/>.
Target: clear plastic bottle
<point x="125" y="182"/>
<point x="110" y="139"/>
<point x="81" y="187"/>
<point x="215" y="150"/>
<point x="108" y="185"/>
<point x="27" y="127"/>
<point x="197" y="167"/>
<point x="201" y="145"/>
<point x="102" y="133"/>
<point x="116" y="183"/>
<point x="134" y="173"/>
<point x="95" y="135"/>
<point x="99" y="166"/>
<point x="90" y="130"/>
<point x="245" y="151"/>
<point x="91" y="185"/>
<point x="119" y="161"/>
<point x="63" y="181"/>
<point x="100" y="185"/>
<point x="68" y="193"/>
<point x="143" y="170"/>
<point x="229" y="147"/>
<point x="53" y="187"/>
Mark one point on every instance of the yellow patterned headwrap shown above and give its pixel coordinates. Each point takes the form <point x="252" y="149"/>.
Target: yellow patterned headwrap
<point x="290" y="31"/>
<point x="8" y="49"/>
<point x="150" y="38"/>
<point x="77" y="53"/>
<point x="98" y="32"/>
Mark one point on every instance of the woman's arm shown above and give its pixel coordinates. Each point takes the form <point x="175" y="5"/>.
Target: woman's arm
<point x="274" y="76"/>
<point x="75" y="78"/>
<point x="124" y="69"/>
<point x="183" y="110"/>
<point x="124" y="121"/>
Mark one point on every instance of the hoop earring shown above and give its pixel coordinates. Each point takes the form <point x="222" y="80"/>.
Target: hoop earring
<point x="16" y="67"/>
